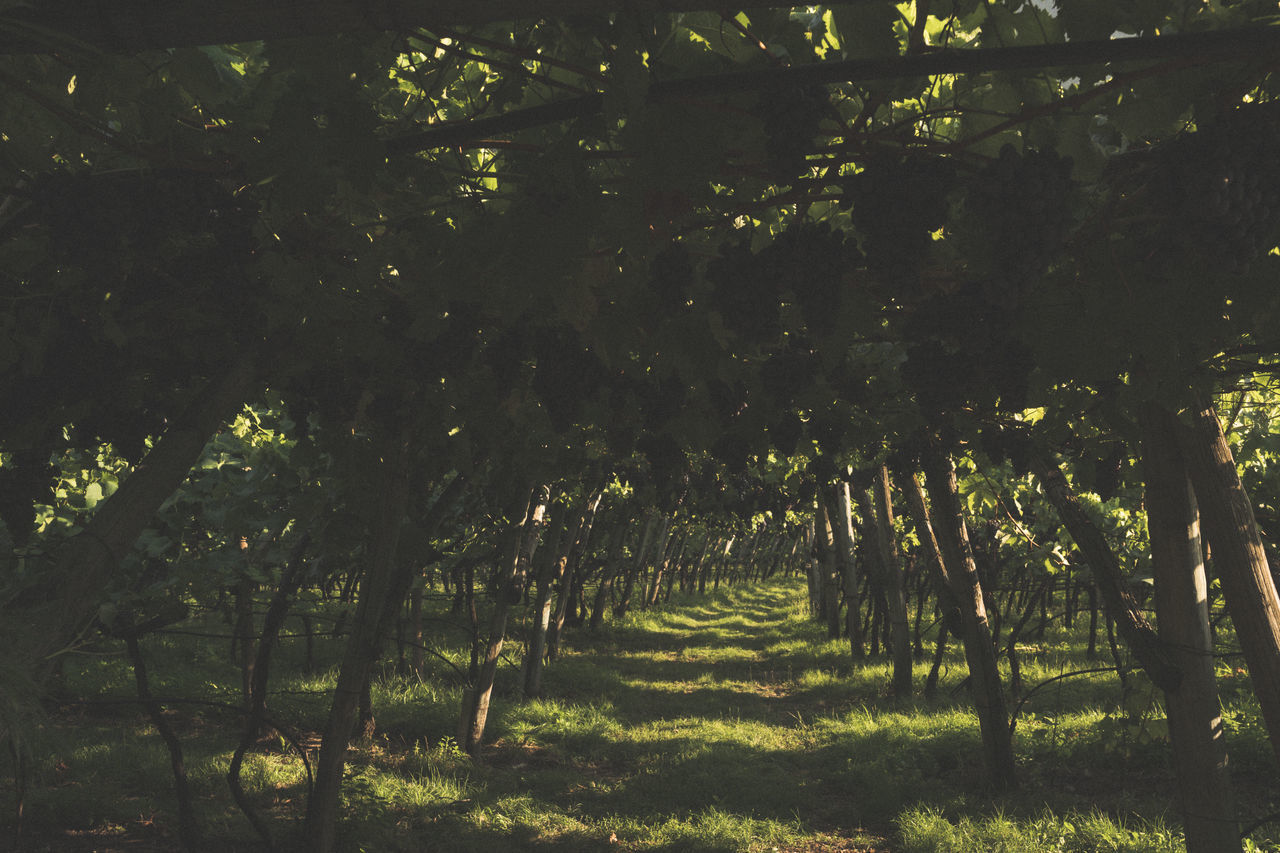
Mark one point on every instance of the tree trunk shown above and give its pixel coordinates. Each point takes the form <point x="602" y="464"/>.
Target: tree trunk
<point x="1238" y="557"/>
<point x="637" y="564"/>
<point x="721" y="563"/>
<point x="612" y="560"/>
<point x="909" y="485"/>
<point x="244" y="637"/>
<point x="255" y="719"/>
<point x="309" y="641"/>
<point x="962" y="574"/>
<point x="188" y="827"/>
<point x="696" y="568"/>
<point x="1182" y="613"/>
<point x="841" y="511"/>
<point x="49" y="618"/>
<point x="813" y="571"/>
<point x="535" y="656"/>
<point x="573" y="574"/>
<point x="894" y="586"/>
<point x="875" y="617"/>
<point x="551" y="564"/>
<point x="673" y="565"/>
<point x="663" y="545"/>
<point x="921" y="584"/>
<point x="383" y="589"/>
<point x="1091" y="650"/>
<point x="889" y="606"/>
<point x="476" y="701"/>
<point x="417" y="639"/>
<point x="242" y="633"/>
<point x="1011" y="642"/>
<point x="1116" y="598"/>
<point x="662" y="565"/>
<point x="1070" y="600"/>
<point x="828" y="567"/>
<point x="939" y="652"/>
<point x="360" y="655"/>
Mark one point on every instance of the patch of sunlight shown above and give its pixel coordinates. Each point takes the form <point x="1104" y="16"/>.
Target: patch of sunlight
<point x="549" y="720"/>
<point x="258" y="772"/>
<point x="708" y="829"/>
<point x="926" y="830"/>
<point x="663" y="686"/>
<point x="524" y="812"/>
<point x="811" y="678"/>
<point x="704" y="732"/>
<point x="414" y="791"/>
<point x="790" y="646"/>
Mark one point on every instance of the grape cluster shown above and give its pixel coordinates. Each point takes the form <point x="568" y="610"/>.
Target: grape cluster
<point x="785" y="432"/>
<point x="507" y="354"/>
<point x="666" y="458"/>
<point x="788" y="372"/>
<point x="791" y="120"/>
<point x="807" y="263"/>
<point x="811" y="263"/>
<point x="727" y="399"/>
<point x="566" y="376"/>
<point x="734" y="448"/>
<point x="1002" y="444"/>
<point x="660" y="401"/>
<point x="964" y="353"/>
<point x="1108" y="472"/>
<point x="829" y="428"/>
<point x="671" y="276"/>
<point x="1222" y="182"/>
<point x="942" y="379"/>
<point x="897" y="202"/>
<point x="457" y="342"/>
<point x="1018" y="207"/>
<point x="94" y="218"/>
<point x="745" y="293"/>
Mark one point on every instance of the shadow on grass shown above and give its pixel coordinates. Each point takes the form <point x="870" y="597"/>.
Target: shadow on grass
<point x="716" y="724"/>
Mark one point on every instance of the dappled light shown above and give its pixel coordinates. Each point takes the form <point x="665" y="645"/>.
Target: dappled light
<point x="598" y="425"/>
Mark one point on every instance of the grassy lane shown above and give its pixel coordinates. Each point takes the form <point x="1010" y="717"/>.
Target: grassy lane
<point x="699" y="727"/>
<point x="732" y="723"/>
<point x="720" y="723"/>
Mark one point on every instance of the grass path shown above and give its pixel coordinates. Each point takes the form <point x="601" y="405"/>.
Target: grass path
<point x="731" y="723"/>
<point x="722" y="723"/>
<point x="725" y="723"/>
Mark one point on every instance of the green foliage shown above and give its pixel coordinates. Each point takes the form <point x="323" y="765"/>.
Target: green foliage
<point x="714" y="294"/>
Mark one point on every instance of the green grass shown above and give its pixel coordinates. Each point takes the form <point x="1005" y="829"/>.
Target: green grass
<point x="927" y="831"/>
<point x="723" y="723"/>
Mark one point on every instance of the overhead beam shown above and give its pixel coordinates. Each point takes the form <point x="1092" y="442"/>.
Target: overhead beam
<point x="128" y="26"/>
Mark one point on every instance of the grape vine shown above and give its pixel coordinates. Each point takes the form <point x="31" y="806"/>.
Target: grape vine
<point x="897" y="203"/>
<point x="1019" y="211"/>
<point x="745" y="293"/>
<point x="791" y="120"/>
<point x="812" y="262"/>
<point x="1222" y="185"/>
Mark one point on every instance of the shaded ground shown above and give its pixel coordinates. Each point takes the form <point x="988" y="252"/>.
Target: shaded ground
<point x="728" y="723"/>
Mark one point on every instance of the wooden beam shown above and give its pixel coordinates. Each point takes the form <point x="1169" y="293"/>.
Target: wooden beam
<point x="128" y="26"/>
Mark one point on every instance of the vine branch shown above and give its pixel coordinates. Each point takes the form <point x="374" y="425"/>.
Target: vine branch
<point x="1216" y="46"/>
